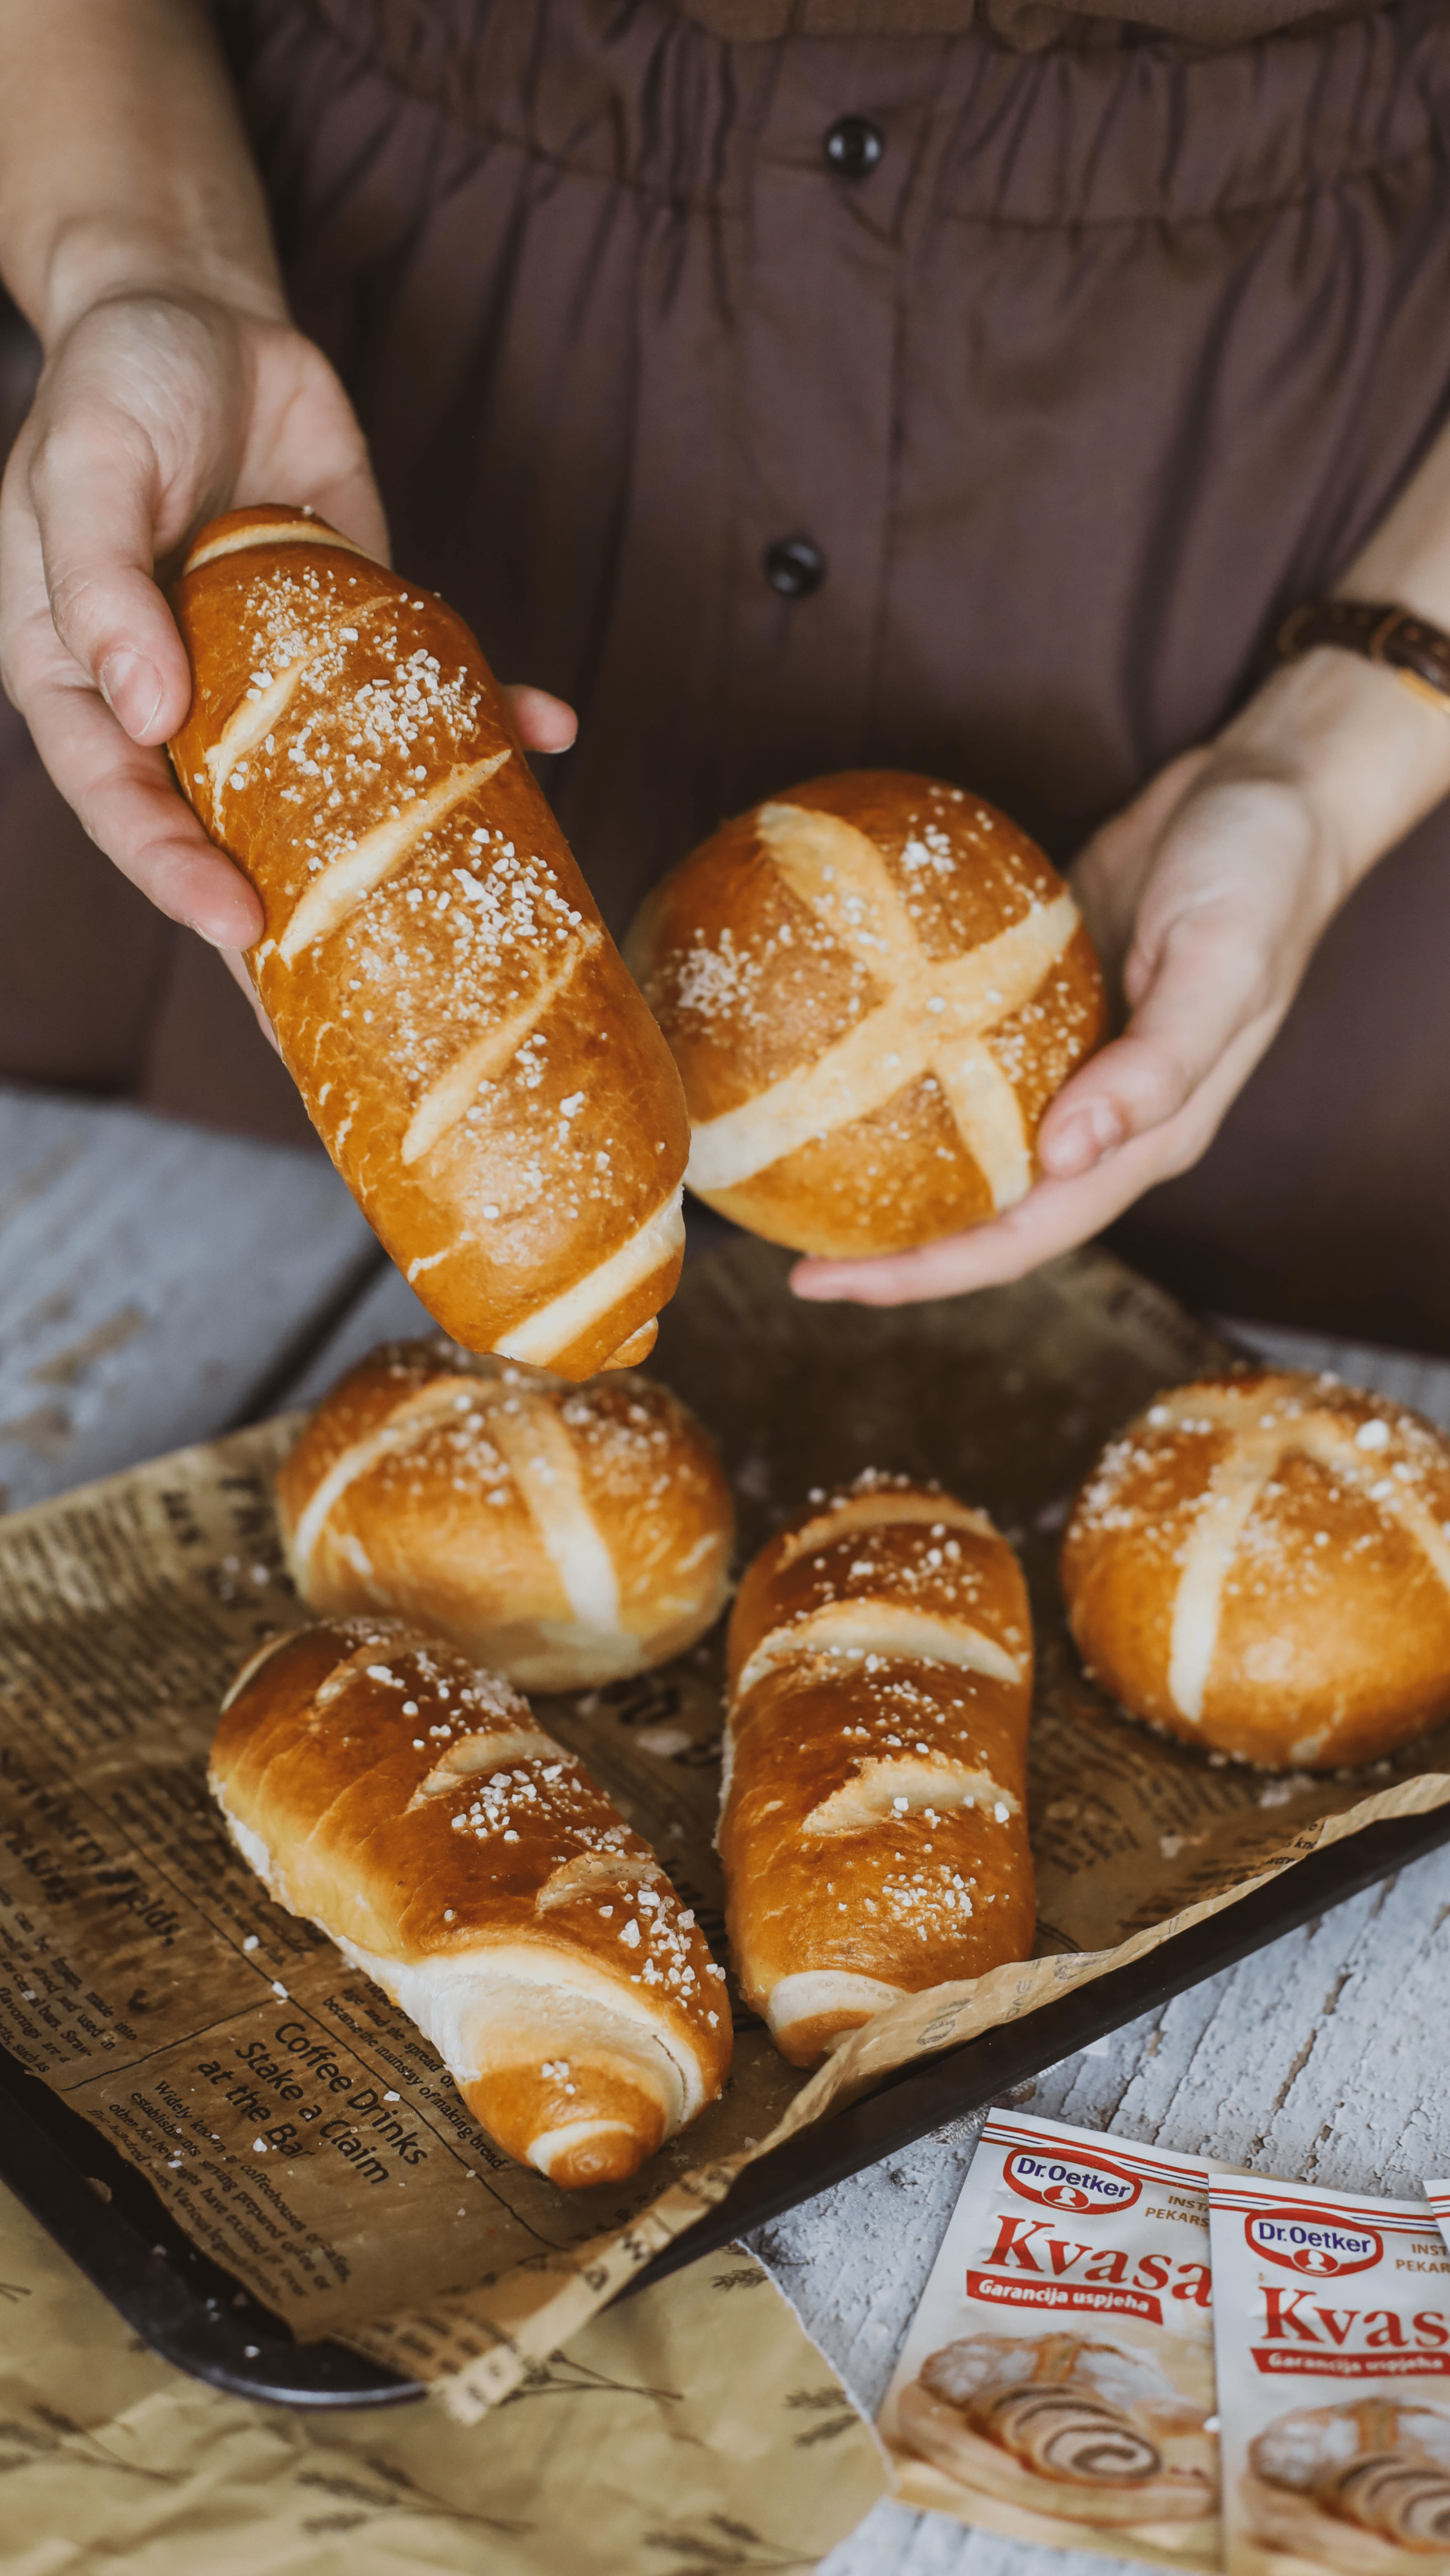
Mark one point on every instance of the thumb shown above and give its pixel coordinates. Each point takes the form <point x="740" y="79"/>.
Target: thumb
<point x="93" y="486"/>
<point x="1208" y="987"/>
<point x="545" y="722"/>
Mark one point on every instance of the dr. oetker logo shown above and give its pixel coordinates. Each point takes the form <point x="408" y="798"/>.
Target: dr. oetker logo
<point x="1079" y="2181"/>
<point x="1303" y="2241"/>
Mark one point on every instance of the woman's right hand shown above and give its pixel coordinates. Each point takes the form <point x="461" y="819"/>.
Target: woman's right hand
<point x="154" y="411"/>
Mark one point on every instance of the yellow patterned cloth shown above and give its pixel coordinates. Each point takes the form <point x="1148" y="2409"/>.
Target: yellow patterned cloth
<point x="695" y="2418"/>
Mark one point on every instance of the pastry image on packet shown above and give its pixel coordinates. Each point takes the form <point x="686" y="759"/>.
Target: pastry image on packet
<point x="1057" y="2383"/>
<point x="1332" y="2320"/>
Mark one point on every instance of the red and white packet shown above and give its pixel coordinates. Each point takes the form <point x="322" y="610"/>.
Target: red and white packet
<point x="1332" y="2321"/>
<point x="1057" y="2383"/>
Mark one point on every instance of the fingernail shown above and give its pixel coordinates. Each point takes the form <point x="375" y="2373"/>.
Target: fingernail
<point x="1084" y="1141"/>
<point x="227" y="940"/>
<point x="131" y="688"/>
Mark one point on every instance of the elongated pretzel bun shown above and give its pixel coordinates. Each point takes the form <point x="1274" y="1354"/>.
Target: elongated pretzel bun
<point x="872" y="986"/>
<point x="461" y="1028"/>
<point x="412" y="1806"/>
<point x="1024" y="2421"/>
<point x="560" y="1535"/>
<point x="1262" y="1564"/>
<point x="873" y="1825"/>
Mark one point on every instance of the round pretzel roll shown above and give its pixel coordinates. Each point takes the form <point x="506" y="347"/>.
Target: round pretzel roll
<point x="872" y="986"/>
<point x="561" y="1535"/>
<point x="1261" y="1563"/>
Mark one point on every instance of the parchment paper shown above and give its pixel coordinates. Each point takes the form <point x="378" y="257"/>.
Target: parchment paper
<point x="693" y="2429"/>
<point x="295" y="2122"/>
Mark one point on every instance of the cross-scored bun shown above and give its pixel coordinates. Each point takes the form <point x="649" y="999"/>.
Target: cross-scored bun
<point x="1262" y="1564"/>
<point x="446" y="998"/>
<point x="872" y="985"/>
<point x="560" y="1535"/>
<point x="414" y="1809"/>
<point x="874" y="1807"/>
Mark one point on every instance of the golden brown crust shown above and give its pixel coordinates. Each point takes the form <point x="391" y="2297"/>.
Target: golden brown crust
<point x="874" y="1823"/>
<point x="410" y="1805"/>
<point x="561" y="1536"/>
<point x="465" y="1037"/>
<point x="1261" y="1564"/>
<point x="827" y="934"/>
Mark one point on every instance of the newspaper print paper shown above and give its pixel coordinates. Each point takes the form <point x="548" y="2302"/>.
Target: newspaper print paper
<point x="290" y="2116"/>
<point x="699" y="2420"/>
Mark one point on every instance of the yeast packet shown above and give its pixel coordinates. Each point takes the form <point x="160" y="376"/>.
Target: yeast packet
<point x="1057" y="2381"/>
<point x="1332" y="2320"/>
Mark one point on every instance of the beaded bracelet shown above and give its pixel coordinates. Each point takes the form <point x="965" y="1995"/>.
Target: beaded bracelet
<point x="1417" y="653"/>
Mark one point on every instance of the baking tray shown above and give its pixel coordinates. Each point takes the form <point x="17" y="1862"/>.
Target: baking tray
<point x="110" y="2222"/>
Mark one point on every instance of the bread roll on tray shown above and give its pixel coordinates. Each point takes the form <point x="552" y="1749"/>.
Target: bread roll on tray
<point x="464" y="1035"/>
<point x="872" y="985"/>
<point x="1261" y="1564"/>
<point x="411" y="1806"/>
<point x="559" y="1535"/>
<point x="874" y="1825"/>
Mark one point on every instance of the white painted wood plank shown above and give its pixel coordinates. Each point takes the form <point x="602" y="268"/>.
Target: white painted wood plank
<point x="386" y="1311"/>
<point x="152" y="1278"/>
<point x="1325" y="2057"/>
<point x="1322" y="2057"/>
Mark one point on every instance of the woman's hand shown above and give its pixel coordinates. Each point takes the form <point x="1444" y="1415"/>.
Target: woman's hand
<point x="154" y="412"/>
<point x="1205" y="900"/>
<point x="135" y="238"/>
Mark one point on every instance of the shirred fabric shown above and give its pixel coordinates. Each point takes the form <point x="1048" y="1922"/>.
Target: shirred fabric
<point x="1029" y="25"/>
<point x="1117" y="354"/>
<point x="1121" y="350"/>
<point x="1115" y="357"/>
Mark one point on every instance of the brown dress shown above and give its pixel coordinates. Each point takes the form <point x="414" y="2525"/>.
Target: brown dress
<point x="1090" y="343"/>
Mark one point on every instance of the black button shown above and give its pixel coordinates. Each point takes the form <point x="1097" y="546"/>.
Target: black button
<point x="853" y="147"/>
<point x="794" y="567"/>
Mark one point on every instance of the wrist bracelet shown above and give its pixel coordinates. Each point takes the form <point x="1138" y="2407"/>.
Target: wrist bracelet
<point x="1414" y="651"/>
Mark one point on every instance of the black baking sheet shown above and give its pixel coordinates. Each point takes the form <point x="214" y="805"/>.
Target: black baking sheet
<point x="109" y="2220"/>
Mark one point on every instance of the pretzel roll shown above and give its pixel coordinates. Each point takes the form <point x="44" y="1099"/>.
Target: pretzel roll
<point x="412" y="1807"/>
<point x="1262" y="1564"/>
<point x="560" y="1535"/>
<point x="872" y="986"/>
<point x="464" y="1035"/>
<point x="873" y="1825"/>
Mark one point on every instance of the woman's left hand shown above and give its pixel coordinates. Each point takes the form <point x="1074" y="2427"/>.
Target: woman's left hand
<point x="1205" y="899"/>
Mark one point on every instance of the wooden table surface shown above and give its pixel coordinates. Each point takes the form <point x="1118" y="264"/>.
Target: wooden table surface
<point x="159" y="1283"/>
